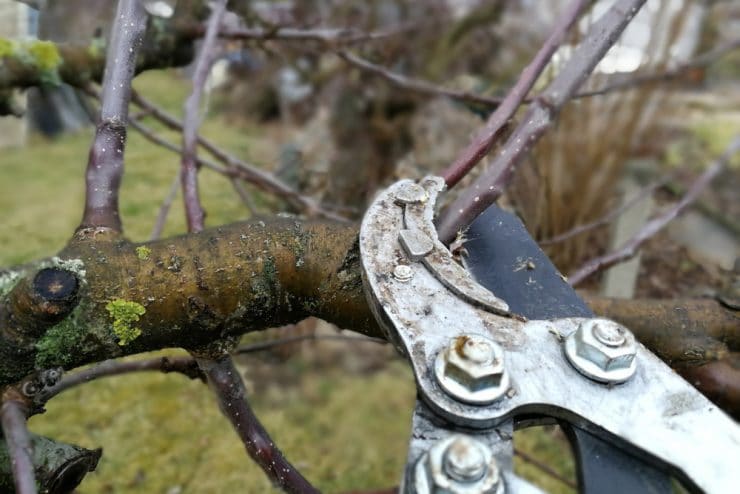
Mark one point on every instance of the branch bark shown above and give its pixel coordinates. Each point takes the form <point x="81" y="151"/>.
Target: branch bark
<point x="13" y="413"/>
<point x="194" y="213"/>
<point x="105" y="165"/>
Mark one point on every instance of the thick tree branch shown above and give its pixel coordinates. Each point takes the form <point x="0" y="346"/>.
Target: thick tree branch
<point x="226" y="382"/>
<point x="539" y="117"/>
<point x="105" y="165"/>
<point x="631" y="247"/>
<point x="189" y="291"/>
<point x="189" y="170"/>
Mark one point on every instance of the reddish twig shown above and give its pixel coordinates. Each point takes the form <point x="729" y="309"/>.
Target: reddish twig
<point x="105" y="163"/>
<point x="227" y="384"/>
<point x="239" y="168"/>
<point x="538" y="118"/>
<point x="14" y="416"/>
<point x="631" y="247"/>
<point x="189" y="171"/>
<point x="608" y="217"/>
<point x="482" y="143"/>
<point x="416" y="85"/>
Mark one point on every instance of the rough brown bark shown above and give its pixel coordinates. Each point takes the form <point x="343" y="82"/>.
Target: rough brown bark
<point x="191" y="291"/>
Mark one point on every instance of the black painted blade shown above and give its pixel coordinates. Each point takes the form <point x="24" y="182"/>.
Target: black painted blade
<point x="503" y="257"/>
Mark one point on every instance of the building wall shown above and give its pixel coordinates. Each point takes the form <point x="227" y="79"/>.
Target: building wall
<point x="14" y="24"/>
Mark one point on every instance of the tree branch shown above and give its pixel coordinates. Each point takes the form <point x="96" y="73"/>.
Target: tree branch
<point x="479" y="147"/>
<point x="608" y="217"/>
<point x="226" y="382"/>
<point x="236" y="167"/>
<point x="631" y="247"/>
<point x="105" y="164"/>
<point x="13" y="413"/>
<point x="189" y="171"/>
<point x="538" y="118"/>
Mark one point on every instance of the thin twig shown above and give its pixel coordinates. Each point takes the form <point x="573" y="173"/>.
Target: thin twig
<point x="334" y="36"/>
<point x="164" y="209"/>
<point x="239" y="168"/>
<point x="189" y="172"/>
<point x="105" y="164"/>
<point x="482" y="143"/>
<point x="227" y="384"/>
<point x="416" y="85"/>
<point x="700" y="61"/>
<point x="631" y="247"/>
<point x="544" y="468"/>
<point x="13" y="415"/>
<point x="608" y="217"/>
<point x="539" y="117"/>
<point x="181" y="365"/>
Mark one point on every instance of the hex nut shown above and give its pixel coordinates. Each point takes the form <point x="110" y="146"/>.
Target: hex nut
<point x="471" y="369"/>
<point x="458" y="464"/>
<point x="602" y="350"/>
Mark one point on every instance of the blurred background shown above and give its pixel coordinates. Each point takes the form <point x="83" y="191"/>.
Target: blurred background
<point x="341" y="410"/>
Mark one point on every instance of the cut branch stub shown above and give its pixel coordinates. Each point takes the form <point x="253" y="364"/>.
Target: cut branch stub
<point x="39" y="302"/>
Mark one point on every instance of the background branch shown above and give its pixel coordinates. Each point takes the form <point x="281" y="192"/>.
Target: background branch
<point x="631" y="246"/>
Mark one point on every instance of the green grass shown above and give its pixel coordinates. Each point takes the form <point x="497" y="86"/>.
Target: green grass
<point x="163" y="432"/>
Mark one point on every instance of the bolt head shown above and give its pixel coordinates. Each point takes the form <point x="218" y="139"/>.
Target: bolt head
<point x="471" y="369"/>
<point x="411" y="193"/>
<point x="403" y="272"/>
<point x="602" y="350"/>
<point x="458" y="464"/>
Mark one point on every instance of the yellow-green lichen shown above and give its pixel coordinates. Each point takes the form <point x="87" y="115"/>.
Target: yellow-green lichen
<point x="6" y="47"/>
<point x="45" y="55"/>
<point x="125" y="313"/>
<point x="143" y="253"/>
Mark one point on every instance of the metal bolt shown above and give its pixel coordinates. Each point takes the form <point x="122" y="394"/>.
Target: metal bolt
<point x="471" y="370"/>
<point x="403" y="272"/>
<point x="411" y="193"/>
<point x="458" y="464"/>
<point x="602" y="350"/>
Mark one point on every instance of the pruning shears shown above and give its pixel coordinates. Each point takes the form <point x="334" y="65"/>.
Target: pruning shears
<point x="502" y="342"/>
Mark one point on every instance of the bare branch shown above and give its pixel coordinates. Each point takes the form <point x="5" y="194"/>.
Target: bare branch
<point x="416" y="85"/>
<point x="105" y="164"/>
<point x="236" y="167"/>
<point x="538" y="118"/>
<point x="608" y="217"/>
<point x="482" y="143"/>
<point x="631" y="247"/>
<point x="181" y="365"/>
<point x="227" y="384"/>
<point x="13" y="415"/>
<point x="700" y="61"/>
<point x="332" y="36"/>
<point x="189" y="171"/>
